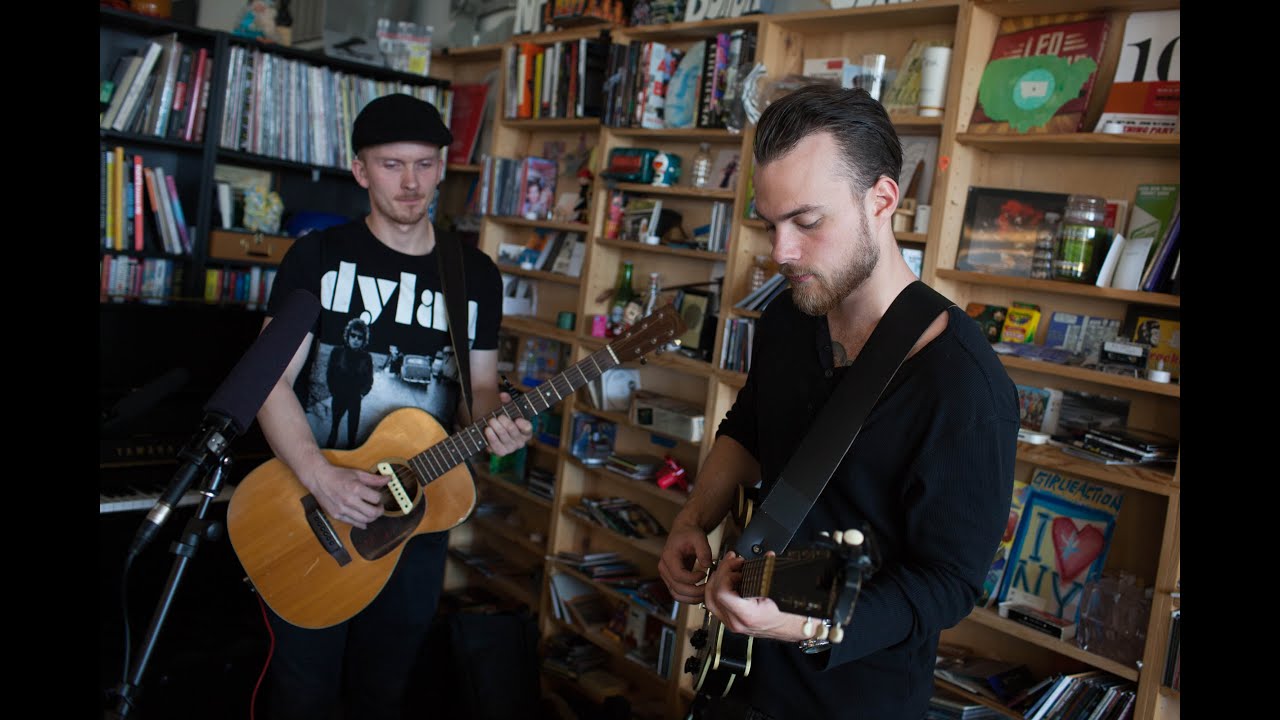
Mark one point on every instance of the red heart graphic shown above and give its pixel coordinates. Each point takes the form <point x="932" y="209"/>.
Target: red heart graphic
<point x="1075" y="549"/>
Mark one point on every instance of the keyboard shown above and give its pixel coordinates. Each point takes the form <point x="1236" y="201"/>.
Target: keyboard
<point x="133" y="498"/>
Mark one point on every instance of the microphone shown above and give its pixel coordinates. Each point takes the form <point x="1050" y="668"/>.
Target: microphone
<point x="233" y="405"/>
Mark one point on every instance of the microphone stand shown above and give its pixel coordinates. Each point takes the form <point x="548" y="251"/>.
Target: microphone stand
<point x="184" y="549"/>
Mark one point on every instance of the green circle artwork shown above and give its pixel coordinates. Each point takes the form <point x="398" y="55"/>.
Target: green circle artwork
<point x="1026" y="92"/>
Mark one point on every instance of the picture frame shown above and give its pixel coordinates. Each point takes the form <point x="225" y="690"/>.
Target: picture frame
<point x="695" y="306"/>
<point x="1000" y="229"/>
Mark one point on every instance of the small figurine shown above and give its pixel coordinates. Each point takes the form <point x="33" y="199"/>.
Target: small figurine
<point x="666" y="169"/>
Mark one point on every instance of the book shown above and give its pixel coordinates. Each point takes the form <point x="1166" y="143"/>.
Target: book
<point x="1153" y="210"/>
<point x="989" y="317"/>
<point x="1020" y="325"/>
<point x="465" y="118"/>
<point x="1038" y="408"/>
<point x="991" y="584"/>
<point x="1164" y="336"/>
<point x="1041" y="74"/>
<point x="134" y="95"/>
<point x="1001" y="226"/>
<point x="537" y="187"/>
<point x="1145" y="94"/>
<point x="1037" y="619"/>
<point x="125" y="70"/>
<point x="1061" y="542"/>
<point x="997" y="679"/>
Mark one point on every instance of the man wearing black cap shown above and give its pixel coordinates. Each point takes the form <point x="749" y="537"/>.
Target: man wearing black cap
<point x="381" y="270"/>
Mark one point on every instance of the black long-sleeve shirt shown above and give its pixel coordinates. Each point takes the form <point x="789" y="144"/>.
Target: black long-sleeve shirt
<point x="931" y="474"/>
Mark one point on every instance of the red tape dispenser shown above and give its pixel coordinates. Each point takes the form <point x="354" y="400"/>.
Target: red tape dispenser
<point x="672" y="474"/>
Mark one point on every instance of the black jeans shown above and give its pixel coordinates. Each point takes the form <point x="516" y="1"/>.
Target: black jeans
<point x="359" y="669"/>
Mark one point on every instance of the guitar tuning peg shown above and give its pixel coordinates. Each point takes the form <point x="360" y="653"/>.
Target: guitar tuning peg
<point x="837" y="634"/>
<point x="807" y="628"/>
<point x="853" y="537"/>
<point x="825" y="534"/>
<point x="838" y="536"/>
<point x="822" y="632"/>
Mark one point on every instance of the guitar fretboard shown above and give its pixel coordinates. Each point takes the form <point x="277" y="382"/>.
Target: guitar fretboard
<point x="755" y="577"/>
<point x="455" y="449"/>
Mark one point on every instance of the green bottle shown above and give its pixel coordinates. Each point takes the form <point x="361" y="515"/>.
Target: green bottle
<point x="623" y="294"/>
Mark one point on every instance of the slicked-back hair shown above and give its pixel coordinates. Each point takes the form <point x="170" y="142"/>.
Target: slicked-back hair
<point x="868" y="143"/>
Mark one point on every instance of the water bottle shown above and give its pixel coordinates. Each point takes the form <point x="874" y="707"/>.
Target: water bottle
<point x="702" y="166"/>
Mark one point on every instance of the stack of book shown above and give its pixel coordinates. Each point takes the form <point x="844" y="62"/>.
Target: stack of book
<point x="637" y="466"/>
<point x="599" y="565"/>
<point x="1123" y="445"/>
<point x="571" y="656"/>
<point x="999" y="680"/>
<point x="760" y="298"/>
<point x="620" y="515"/>
<point x="540" y="482"/>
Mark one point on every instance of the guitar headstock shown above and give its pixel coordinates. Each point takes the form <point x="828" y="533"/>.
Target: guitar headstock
<point x="649" y="334"/>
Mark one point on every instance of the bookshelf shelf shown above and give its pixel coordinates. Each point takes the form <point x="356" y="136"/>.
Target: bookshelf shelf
<point x="876" y="17"/>
<point x="605" y="589"/>
<point x="461" y="168"/>
<point x="651" y="546"/>
<point x="1154" y="146"/>
<point x="152" y="140"/>
<point x="666" y="134"/>
<point x="539" y="275"/>
<point x="644" y="486"/>
<point x="623" y="421"/>
<point x="1093" y="376"/>
<point x="911" y="237"/>
<point x="491" y="51"/>
<point x="1150" y="479"/>
<point x="1059" y="287"/>
<point x="267" y="162"/>
<point x="378" y="72"/>
<point x="505" y="585"/>
<point x="1170" y="693"/>
<point x="975" y="697"/>
<point x="688" y="30"/>
<point x="661" y="249"/>
<point x="540" y="328"/>
<point x="916" y="124"/>
<point x="510" y="488"/>
<point x="554" y="124"/>
<point x="677" y="191"/>
<point x="613" y="648"/>
<point x="510" y="534"/>
<point x="512" y="221"/>
<point x="990" y="618"/>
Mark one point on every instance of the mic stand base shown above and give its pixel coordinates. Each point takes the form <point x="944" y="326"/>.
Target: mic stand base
<point x="184" y="549"/>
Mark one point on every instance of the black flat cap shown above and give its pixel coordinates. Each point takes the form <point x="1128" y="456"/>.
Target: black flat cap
<point x="398" y="118"/>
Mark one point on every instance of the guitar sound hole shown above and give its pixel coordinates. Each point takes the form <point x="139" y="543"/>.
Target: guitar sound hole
<point x="409" y="481"/>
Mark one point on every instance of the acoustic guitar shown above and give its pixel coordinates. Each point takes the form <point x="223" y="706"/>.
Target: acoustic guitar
<point x="820" y="581"/>
<point x="316" y="571"/>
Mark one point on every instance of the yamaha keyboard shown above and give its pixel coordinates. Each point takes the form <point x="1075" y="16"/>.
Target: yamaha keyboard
<point x="130" y="498"/>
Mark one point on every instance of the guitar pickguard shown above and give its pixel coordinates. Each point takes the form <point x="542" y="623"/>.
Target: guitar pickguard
<point x="395" y="526"/>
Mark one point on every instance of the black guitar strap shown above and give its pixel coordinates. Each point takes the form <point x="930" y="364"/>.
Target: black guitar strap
<point x="453" y="282"/>
<point x="774" y="523"/>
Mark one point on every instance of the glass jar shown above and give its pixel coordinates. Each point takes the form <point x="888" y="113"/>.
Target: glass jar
<point x="1081" y="239"/>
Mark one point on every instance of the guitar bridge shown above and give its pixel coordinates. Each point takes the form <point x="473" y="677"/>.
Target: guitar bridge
<point x="324" y="532"/>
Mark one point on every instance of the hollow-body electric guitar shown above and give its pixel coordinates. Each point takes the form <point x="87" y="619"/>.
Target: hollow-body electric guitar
<point x="820" y="581"/>
<point x="316" y="571"/>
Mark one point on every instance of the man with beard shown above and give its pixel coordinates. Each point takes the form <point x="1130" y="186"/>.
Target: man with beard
<point x="383" y="269"/>
<point x="930" y="474"/>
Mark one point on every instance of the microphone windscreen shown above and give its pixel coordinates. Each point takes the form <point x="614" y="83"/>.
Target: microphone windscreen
<point x="241" y="394"/>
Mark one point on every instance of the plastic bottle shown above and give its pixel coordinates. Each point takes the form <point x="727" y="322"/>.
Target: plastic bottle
<point x="1081" y="238"/>
<point x="651" y="299"/>
<point x="758" y="273"/>
<point x="702" y="166"/>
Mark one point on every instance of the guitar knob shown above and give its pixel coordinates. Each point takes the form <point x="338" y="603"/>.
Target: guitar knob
<point x="698" y="638"/>
<point x="837" y="634"/>
<point x="838" y="536"/>
<point x="691" y="665"/>
<point x="853" y="537"/>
